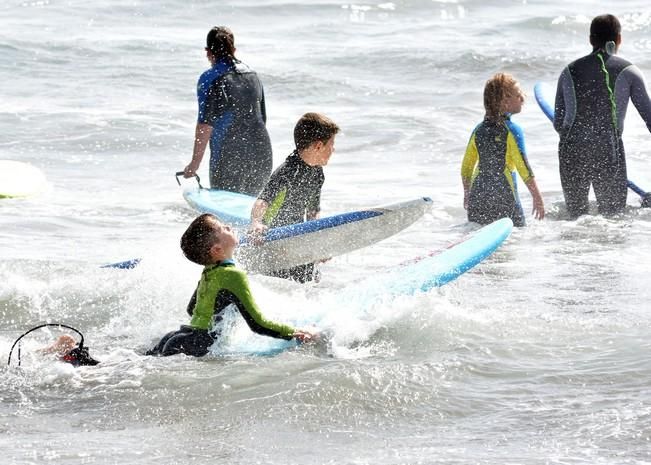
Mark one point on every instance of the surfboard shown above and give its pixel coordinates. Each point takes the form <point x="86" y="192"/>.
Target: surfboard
<point x="418" y="275"/>
<point x="546" y="96"/>
<point x="232" y="207"/>
<point x="288" y="246"/>
<point x="18" y="179"/>
<point x="438" y="268"/>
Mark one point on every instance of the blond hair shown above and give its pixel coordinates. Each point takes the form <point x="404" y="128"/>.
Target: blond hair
<point x="496" y="90"/>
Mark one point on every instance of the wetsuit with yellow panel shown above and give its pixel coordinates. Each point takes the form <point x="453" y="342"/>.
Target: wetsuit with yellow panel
<point x="494" y="153"/>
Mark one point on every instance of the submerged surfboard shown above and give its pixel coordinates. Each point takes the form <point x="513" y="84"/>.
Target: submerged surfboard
<point x="420" y="274"/>
<point x="18" y="179"/>
<point x="323" y="238"/>
<point x="546" y="96"/>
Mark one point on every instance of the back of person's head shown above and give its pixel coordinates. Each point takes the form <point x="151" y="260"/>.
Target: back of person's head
<point x="604" y="28"/>
<point x="496" y="90"/>
<point x="199" y="238"/>
<point x="221" y="42"/>
<point x="313" y="127"/>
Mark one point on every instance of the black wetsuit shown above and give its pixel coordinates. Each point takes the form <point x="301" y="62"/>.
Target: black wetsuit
<point x="292" y="193"/>
<point x="231" y="100"/>
<point x="591" y="102"/>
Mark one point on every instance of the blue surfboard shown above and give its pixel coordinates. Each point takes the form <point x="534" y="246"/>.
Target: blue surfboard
<point x="438" y="268"/>
<point x="545" y="96"/>
<point x="421" y="274"/>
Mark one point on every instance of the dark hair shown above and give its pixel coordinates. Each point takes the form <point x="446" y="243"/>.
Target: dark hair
<point x="495" y="90"/>
<point x="313" y="127"/>
<point x="604" y="28"/>
<point x="221" y="42"/>
<point x="199" y="238"/>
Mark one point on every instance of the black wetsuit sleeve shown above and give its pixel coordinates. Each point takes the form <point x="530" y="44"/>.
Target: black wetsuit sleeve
<point x="274" y="185"/>
<point x="192" y="302"/>
<point x="639" y="94"/>
<point x="563" y="91"/>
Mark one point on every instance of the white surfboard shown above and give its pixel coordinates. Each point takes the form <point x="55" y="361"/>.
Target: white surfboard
<point x="297" y="244"/>
<point x="18" y="179"/>
<point x="328" y="237"/>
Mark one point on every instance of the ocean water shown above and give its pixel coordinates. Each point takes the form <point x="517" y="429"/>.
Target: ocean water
<point x="540" y="355"/>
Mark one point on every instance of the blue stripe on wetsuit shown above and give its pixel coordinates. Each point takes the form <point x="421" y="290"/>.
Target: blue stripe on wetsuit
<point x="518" y="135"/>
<point x="223" y="123"/>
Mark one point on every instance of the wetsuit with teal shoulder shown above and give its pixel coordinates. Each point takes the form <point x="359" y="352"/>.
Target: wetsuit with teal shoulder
<point x="293" y="192"/>
<point x="590" y="108"/>
<point x="231" y="100"/>
<point x="221" y="286"/>
<point x="495" y="151"/>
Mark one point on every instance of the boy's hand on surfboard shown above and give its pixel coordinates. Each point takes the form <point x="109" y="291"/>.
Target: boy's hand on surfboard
<point x="256" y="233"/>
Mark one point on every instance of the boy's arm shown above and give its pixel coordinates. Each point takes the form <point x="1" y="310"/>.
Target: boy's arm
<point x="252" y="315"/>
<point x="257" y="227"/>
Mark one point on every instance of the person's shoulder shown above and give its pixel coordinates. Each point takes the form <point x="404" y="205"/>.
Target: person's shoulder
<point x="231" y="274"/>
<point x="512" y="125"/>
<point x="282" y="168"/>
<point x="242" y="67"/>
<point x="209" y="76"/>
<point x="479" y="125"/>
<point x="621" y="61"/>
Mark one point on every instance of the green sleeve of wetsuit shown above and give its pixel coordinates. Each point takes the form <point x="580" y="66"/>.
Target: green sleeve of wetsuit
<point x="239" y="286"/>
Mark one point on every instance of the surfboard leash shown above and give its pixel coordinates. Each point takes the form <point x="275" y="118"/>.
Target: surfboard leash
<point x="78" y="356"/>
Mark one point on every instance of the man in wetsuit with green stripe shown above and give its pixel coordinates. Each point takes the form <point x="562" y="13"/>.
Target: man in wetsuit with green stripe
<point x="210" y="243"/>
<point x="293" y="193"/>
<point x="591" y="102"/>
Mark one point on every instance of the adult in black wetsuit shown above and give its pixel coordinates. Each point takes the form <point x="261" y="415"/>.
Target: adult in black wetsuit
<point x="232" y="118"/>
<point x="591" y="101"/>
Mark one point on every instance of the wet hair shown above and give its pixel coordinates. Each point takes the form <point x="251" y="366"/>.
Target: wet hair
<point x="496" y="90"/>
<point x="604" y="28"/>
<point x="199" y="238"/>
<point x="221" y="42"/>
<point x="313" y="127"/>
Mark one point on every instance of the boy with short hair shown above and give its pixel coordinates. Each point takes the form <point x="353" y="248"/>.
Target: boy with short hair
<point x="210" y="243"/>
<point x="293" y="193"/>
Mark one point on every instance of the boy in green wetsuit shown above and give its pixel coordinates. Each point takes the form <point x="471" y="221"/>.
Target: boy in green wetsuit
<point x="211" y="243"/>
<point x="293" y="193"/>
